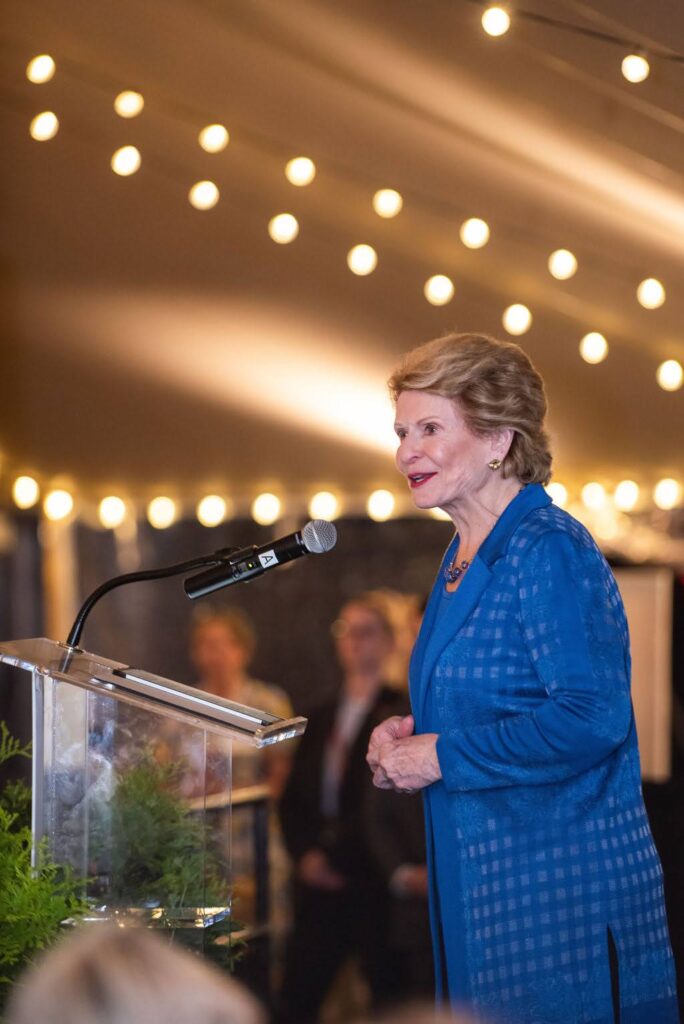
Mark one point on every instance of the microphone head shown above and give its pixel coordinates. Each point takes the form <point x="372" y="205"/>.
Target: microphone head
<point x="319" y="536"/>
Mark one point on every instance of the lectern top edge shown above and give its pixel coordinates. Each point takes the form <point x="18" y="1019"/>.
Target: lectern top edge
<point x="135" y="686"/>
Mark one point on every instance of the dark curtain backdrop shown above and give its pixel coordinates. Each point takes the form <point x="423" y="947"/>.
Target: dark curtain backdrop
<point x="292" y="608"/>
<point x="20" y="616"/>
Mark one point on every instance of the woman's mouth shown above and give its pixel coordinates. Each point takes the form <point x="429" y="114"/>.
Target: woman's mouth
<point x="418" y="479"/>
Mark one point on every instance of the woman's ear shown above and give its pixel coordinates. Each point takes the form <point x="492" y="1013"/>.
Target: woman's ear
<point x="501" y="442"/>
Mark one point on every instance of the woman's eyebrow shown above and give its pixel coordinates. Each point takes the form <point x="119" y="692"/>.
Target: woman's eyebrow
<point x="425" y="419"/>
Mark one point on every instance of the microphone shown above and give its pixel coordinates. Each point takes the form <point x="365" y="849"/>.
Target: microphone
<point x="315" y="538"/>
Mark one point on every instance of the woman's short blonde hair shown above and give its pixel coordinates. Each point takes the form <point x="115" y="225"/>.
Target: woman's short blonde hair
<point x="496" y="387"/>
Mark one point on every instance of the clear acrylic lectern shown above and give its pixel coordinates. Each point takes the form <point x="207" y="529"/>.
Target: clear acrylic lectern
<point x="125" y="764"/>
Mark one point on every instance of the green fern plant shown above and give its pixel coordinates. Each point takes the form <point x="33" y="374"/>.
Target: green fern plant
<point x="33" y="901"/>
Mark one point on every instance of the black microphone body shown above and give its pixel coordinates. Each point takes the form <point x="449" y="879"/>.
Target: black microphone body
<point x="243" y="565"/>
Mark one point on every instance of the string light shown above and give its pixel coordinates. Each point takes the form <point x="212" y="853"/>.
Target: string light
<point x="203" y="195"/>
<point x="517" y="319"/>
<point x="129" y="103"/>
<point x="562" y="264"/>
<point x="439" y="289"/>
<point x="44" y="126"/>
<point x="212" y="510"/>
<point x="300" y="171"/>
<point x="474" y="233"/>
<point x="558" y="493"/>
<point x="214" y="138"/>
<point x="362" y="260"/>
<point x="626" y="495"/>
<point x="635" y="68"/>
<point x="667" y="493"/>
<point x="126" y="161"/>
<point x="283" y="228"/>
<point x="111" y="512"/>
<point x="266" y="509"/>
<point x="594" y="496"/>
<point x="439" y="513"/>
<point x="670" y="375"/>
<point x="40" y="69"/>
<point x="593" y="348"/>
<point x="651" y="293"/>
<point x="496" y="20"/>
<point x="58" y="504"/>
<point x="25" y="492"/>
<point x="324" y="505"/>
<point x="387" y="202"/>
<point x="380" y="505"/>
<point x="161" y="512"/>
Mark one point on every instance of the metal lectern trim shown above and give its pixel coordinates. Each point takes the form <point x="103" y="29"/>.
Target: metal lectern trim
<point x="143" y="689"/>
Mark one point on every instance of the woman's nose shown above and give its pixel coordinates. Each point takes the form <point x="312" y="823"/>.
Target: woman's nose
<point x="409" y="451"/>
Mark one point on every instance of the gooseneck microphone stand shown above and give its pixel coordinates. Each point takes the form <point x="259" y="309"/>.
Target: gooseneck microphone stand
<point x="72" y="641"/>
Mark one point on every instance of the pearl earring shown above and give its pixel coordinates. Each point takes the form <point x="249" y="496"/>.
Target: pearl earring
<point x="494" y="464"/>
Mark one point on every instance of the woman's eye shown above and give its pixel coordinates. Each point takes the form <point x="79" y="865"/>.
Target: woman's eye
<point x="401" y="434"/>
<point x="430" y="428"/>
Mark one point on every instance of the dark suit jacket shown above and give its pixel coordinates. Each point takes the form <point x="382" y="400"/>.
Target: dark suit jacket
<point x="305" y="828"/>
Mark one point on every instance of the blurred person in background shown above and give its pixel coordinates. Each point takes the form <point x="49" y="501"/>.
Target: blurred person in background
<point x="222" y="645"/>
<point x="103" y="974"/>
<point x="396" y="836"/>
<point x="341" y="898"/>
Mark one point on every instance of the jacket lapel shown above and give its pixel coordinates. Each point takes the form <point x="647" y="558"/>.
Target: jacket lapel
<point x="435" y="635"/>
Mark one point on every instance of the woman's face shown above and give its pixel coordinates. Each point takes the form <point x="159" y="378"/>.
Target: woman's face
<point x="442" y="460"/>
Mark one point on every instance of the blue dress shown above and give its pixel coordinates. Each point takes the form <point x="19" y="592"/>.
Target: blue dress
<point x="546" y="896"/>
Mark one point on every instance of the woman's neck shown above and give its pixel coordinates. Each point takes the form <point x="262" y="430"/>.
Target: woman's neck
<point x="475" y="514"/>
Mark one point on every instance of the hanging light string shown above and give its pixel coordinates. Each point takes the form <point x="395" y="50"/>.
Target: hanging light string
<point x="630" y="45"/>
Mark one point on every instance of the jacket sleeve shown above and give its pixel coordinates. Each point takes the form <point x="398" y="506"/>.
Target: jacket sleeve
<point x="572" y="628"/>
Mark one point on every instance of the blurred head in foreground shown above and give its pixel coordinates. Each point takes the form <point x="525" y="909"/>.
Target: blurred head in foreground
<point x="109" y="975"/>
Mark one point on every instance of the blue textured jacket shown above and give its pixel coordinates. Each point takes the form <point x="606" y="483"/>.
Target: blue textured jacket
<point x="546" y="888"/>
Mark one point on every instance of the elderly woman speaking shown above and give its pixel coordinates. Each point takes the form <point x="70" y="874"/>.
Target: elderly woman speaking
<point x="546" y="890"/>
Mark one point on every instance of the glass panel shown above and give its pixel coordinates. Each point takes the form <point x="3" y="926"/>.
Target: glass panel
<point x="124" y="805"/>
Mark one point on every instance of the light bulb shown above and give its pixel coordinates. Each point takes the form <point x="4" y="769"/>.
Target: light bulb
<point x="380" y="505"/>
<point x="125" y="161"/>
<point x="474" y="233"/>
<point x="112" y="512"/>
<point x="439" y="513"/>
<point x="635" y="68"/>
<point x="40" y="69"/>
<point x="496" y="21"/>
<point x="283" y="228"/>
<point x="58" y="504"/>
<point x="387" y="202"/>
<point x="129" y="103"/>
<point x="562" y="264"/>
<point x="670" y="375"/>
<point x="362" y="260"/>
<point x="300" y="171"/>
<point x="266" y="509"/>
<point x="44" y="126"/>
<point x="517" y="319"/>
<point x="667" y="493"/>
<point x="203" y="195"/>
<point x="593" y="347"/>
<point x="161" y="512"/>
<point x="626" y="495"/>
<point x="594" y="496"/>
<point x="214" y="138"/>
<point x="558" y="493"/>
<point x="324" y="505"/>
<point x="25" y="492"/>
<point x="212" y="510"/>
<point x="651" y="293"/>
<point x="439" y="289"/>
